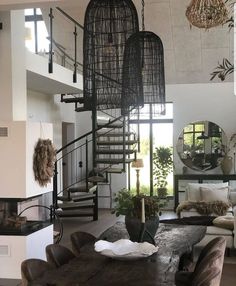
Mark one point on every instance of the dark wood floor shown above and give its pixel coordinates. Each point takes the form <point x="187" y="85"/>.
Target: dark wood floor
<point x="106" y="219"/>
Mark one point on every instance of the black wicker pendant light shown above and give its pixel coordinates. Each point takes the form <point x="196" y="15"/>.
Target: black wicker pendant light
<point x="151" y="55"/>
<point x="107" y="26"/>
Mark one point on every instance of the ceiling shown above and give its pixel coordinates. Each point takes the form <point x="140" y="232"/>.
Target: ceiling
<point x="191" y="54"/>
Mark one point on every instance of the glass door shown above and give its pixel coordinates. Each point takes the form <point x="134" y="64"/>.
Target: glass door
<point x="154" y="131"/>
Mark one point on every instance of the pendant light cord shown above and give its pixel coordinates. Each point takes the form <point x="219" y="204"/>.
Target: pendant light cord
<point x="143" y="25"/>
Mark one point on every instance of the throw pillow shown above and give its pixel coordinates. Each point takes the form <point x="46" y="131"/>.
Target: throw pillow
<point x="193" y="190"/>
<point x="224" y="222"/>
<point x="211" y="195"/>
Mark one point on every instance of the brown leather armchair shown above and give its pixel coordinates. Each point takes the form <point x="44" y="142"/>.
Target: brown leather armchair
<point x="58" y="255"/>
<point x="79" y="239"/>
<point x="208" y="268"/>
<point x="32" y="269"/>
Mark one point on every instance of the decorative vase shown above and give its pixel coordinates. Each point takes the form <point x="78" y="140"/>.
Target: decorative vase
<point x="133" y="226"/>
<point x="226" y="165"/>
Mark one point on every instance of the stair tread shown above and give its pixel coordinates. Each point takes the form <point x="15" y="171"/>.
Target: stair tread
<point x="114" y="151"/>
<point x="113" y="161"/>
<point x="110" y="125"/>
<point x="114" y="134"/>
<point x="63" y="198"/>
<point x="71" y="213"/>
<point x="83" y="196"/>
<point x="110" y="170"/>
<point x="127" y="142"/>
<point x="80" y="109"/>
<point x="73" y="100"/>
<point x="81" y="188"/>
<point x="96" y="179"/>
<point x="115" y="170"/>
<point x="71" y="205"/>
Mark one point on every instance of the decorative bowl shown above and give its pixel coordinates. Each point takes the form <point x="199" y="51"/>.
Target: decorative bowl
<point x="125" y="249"/>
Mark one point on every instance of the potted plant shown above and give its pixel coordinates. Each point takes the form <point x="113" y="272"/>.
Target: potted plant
<point x="130" y="206"/>
<point x="163" y="166"/>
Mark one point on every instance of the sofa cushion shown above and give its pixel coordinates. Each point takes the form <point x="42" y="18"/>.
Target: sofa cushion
<point x="232" y="197"/>
<point x="193" y="190"/>
<point x="224" y="222"/>
<point x="214" y="194"/>
<point x="214" y="230"/>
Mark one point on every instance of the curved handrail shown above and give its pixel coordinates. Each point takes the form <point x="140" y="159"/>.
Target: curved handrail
<point x="87" y="134"/>
<point x="70" y="18"/>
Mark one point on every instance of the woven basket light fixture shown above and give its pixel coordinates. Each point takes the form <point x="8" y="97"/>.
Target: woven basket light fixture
<point x="151" y="59"/>
<point x="107" y="26"/>
<point x="207" y="13"/>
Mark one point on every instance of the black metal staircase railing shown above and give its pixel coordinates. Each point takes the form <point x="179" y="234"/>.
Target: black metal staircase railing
<point x="97" y="151"/>
<point x="74" y="168"/>
<point x="66" y="47"/>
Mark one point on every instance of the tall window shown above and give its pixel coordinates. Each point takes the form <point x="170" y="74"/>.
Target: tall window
<point x="155" y="131"/>
<point x="36" y="38"/>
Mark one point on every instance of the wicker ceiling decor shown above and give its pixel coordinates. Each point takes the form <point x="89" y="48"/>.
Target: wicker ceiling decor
<point x="207" y="13"/>
<point x="132" y="93"/>
<point x="151" y="58"/>
<point x="107" y="26"/>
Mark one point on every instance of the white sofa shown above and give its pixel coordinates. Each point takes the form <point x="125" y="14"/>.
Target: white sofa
<point x="194" y="193"/>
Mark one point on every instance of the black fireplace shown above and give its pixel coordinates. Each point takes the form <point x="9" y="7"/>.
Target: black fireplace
<point x="14" y="223"/>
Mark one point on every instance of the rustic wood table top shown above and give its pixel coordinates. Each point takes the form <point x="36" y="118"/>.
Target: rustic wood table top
<point x="94" y="269"/>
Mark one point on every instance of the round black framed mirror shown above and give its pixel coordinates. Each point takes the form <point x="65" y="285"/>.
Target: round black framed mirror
<point x="201" y="145"/>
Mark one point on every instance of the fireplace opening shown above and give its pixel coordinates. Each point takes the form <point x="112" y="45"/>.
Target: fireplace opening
<point x="27" y="222"/>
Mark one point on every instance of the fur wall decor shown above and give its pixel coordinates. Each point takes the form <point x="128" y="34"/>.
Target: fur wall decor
<point x="43" y="161"/>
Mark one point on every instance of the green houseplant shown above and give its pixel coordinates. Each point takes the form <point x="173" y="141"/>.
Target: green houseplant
<point x="129" y="205"/>
<point x="163" y="166"/>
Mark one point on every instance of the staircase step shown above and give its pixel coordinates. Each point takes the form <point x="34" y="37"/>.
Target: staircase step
<point x="114" y="134"/>
<point x="80" y="109"/>
<point x="115" y="170"/>
<point x="83" y="197"/>
<point x="73" y="100"/>
<point x="109" y="170"/>
<point x="120" y="125"/>
<point x="63" y="198"/>
<point x="113" y="161"/>
<point x="75" y="213"/>
<point x="127" y="142"/>
<point x="76" y="205"/>
<point x="80" y="188"/>
<point x="96" y="179"/>
<point x="114" y="151"/>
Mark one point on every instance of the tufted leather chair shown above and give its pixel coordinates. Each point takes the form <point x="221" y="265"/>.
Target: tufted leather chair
<point x="79" y="239"/>
<point x="32" y="269"/>
<point x="58" y="255"/>
<point x="208" y="268"/>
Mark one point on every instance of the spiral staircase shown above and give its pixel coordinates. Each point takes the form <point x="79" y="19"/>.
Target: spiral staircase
<point x="115" y="147"/>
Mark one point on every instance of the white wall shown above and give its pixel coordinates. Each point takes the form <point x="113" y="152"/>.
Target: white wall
<point x="214" y="102"/>
<point x="13" y="77"/>
<point x="16" y="168"/>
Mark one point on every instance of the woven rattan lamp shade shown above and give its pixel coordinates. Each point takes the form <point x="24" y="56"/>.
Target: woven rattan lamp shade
<point x="107" y="26"/>
<point x="151" y="61"/>
<point x="207" y="13"/>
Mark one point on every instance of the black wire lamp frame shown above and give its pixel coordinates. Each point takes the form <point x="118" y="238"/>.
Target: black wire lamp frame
<point x="151" y="61"/>
<point x="107" y="26"/>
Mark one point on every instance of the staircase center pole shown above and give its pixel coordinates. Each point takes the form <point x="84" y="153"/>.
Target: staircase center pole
<point x="94" y="121"/>
<point x="75" y="63"/>
<point x="50" y="60"/>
